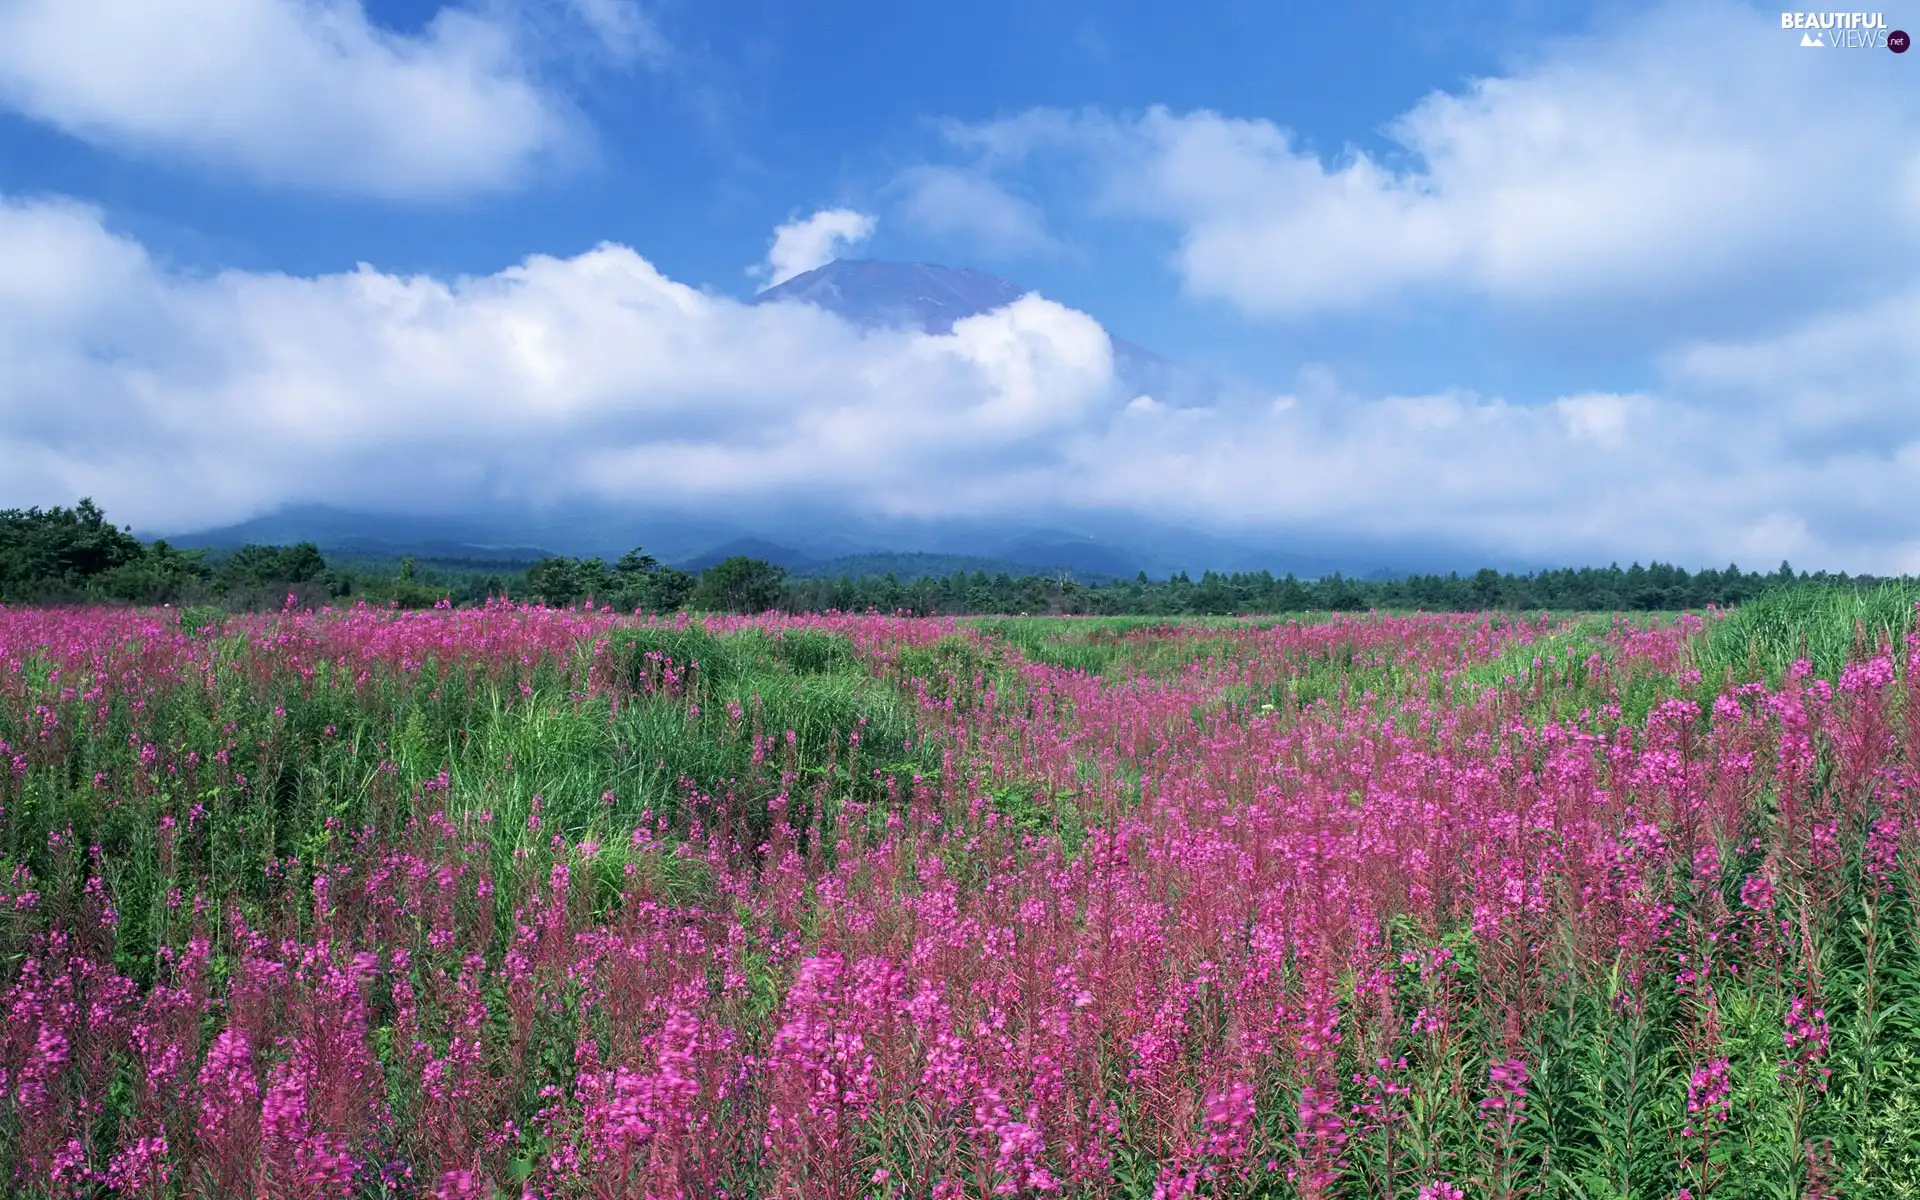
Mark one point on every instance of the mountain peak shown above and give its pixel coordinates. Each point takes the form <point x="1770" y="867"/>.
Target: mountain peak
<point x="924" y="296"/>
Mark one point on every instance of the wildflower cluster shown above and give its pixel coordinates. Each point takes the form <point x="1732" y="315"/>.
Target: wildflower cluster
<point x="475" y="903"/>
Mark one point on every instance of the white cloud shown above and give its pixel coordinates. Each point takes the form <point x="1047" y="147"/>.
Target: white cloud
<point x="1830" y="375"/>
<point x="800" y="246"/>
<point x="300" y="92"/>
<point x="1692" y="154"/>
<point x="950" y="203"/>
<point x="1801" y="444"/>
<point x="183" y="400"/>
<point x="178" y="400"/>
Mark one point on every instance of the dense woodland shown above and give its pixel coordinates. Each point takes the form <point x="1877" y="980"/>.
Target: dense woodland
<point x="75" y="555"/>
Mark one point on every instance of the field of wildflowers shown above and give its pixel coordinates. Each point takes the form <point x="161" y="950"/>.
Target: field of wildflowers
<point x="516" y="902"/>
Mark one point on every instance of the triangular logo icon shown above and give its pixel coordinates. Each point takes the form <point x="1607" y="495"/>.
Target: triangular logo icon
<point x="1811" y="39"/>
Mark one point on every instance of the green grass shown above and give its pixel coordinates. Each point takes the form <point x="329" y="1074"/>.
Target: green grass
<point x="1102" y="646"/>
<point x="1763" y="637"/>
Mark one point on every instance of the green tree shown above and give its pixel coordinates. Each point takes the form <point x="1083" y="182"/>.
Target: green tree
<point x="56" y="550"/>
<point x="272" y="566"/>
<point x="636" y="562"/>
<point x="555" y="582"/>
<point x="667" y="590"/>
<point x="1486" y="588"/>
<point x="163" y="575"/>
<point x="410" y="591"/>
<point x="740" y="584"/>
<point x="631" y="584"/>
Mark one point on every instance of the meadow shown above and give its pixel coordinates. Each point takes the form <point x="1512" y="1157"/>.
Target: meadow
<point x="509" y="901"/>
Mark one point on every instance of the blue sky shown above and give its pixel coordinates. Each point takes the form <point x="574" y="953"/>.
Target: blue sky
<point x="1534" y="279"/>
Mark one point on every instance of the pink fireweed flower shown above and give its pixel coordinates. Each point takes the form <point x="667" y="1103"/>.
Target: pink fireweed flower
<point x="1807" y="1040"/>
<point x="1706" y="866"/>
<point x="1508" y="1096"/>
<point x="230" y="1108"/>
<point x="51" y="1053"/>
<point x="462" y="1185"/>
<point x="227" y="1084"/>
<point x="1228" y="1113"/>
<point x="1321" y="1137"/>
<point x="1883" y="850"/>
<point x="69" y="1168"/>
<point x="1709" y="1098"/>
<point x="139" y="1168"/>
<point x="1439" y="1189"/>
<point x="297" y="1154"/>
<point x="1872" y="675"/>
<point x="1020" y="1148"/>
<point x="1380" y="1092"/>
<point x="1757" y="893"/>
<point x="1320" y="1123"/>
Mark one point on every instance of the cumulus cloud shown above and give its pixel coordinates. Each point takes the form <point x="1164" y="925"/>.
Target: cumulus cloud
<point x="184" y="400"/>
<point x="181" y="400"/>
<point x="1801" y="444"/>
<point x="969" y="207"/>
<point x="1690" y="161"/>
<point x="1461" y="470"/>
<point x="307" y="93"/>
<point x="800" y="246"/>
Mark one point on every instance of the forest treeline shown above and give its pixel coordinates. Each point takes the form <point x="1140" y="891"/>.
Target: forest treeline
<point x="75" y="555"/>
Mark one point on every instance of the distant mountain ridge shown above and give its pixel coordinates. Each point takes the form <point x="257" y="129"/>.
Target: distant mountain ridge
<point x="825" y="541"/>
<point x="797" y="562"/>
<point x="916" y="564"/>
<point x="353" y="537"/>
<point x="908" y="566"/>
<point x="364" y="535"/>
